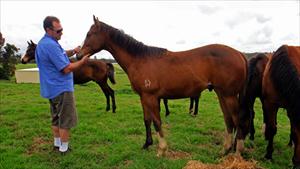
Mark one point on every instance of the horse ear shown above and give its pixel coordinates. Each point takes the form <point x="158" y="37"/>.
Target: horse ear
<point x="28" y="43"/>
<point x="95" y="19"/>
<point x="31" y="42"/>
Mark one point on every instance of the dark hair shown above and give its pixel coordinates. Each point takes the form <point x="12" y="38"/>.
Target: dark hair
<point x="49" y="20"/>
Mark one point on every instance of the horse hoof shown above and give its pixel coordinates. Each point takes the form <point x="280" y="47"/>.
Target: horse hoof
<point x="147" y="144"/>
<point x="268" y="157"/>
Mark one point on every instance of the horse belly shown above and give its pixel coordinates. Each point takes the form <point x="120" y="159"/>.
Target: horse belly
<point x="180" y="89"/>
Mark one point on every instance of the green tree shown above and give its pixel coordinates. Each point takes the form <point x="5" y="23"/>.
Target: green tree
<point x="8" y="59"/>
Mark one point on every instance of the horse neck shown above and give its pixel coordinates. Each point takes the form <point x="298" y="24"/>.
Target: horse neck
<point x="123" y="58"/>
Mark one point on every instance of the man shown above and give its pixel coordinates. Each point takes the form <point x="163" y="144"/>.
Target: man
<point x="56" y="81"/>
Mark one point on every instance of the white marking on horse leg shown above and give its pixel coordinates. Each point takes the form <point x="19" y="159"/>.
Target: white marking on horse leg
<point x="147" y="83"/>
<point x="227" y="141"/>
<point x="162" y="146"/>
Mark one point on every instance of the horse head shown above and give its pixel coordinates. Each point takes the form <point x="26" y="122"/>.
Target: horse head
<point x="30" y="52"/>
<point x="94" y="40"/>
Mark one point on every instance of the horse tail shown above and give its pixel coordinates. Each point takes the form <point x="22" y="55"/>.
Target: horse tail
<point x="111" y="73"/>
<point x="246" y="82"/>
<point x="244" y="113"/>
<point x="253" y="71"/>
<point x="285" y="79"/>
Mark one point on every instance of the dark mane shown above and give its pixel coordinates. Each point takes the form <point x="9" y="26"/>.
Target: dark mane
<point x="131" y="45"/>
<point x="286" y="81"/>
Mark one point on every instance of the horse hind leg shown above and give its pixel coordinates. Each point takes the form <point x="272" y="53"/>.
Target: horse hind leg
<point x="112" y="95"/>
<point x="229" y="124"/>
<point x="105" y="89"/>
<point x="270" y="113"/>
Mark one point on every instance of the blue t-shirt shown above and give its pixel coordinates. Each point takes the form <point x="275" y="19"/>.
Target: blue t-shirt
<point x="51" y="59"/>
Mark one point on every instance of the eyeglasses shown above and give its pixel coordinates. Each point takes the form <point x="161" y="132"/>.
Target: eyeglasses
<point x="57" y="31"/>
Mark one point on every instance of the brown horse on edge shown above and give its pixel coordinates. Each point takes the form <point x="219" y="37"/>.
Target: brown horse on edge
<point x="281" y="88"/>
<point x="256" y="67"/>
<point x="156" y="73"/>
<point x="95" y="70"/>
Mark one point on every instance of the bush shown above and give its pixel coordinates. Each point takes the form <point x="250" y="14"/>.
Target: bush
<point x="8" y="61"/>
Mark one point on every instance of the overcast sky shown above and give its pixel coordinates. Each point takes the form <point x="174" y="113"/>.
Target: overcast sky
<point x="249" y="26"/>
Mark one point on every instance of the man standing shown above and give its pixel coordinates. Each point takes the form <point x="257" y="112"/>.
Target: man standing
<point x="56" y="81"/>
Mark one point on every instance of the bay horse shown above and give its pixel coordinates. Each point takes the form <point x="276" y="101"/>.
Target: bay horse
<point x="95" y="70"/>
<point x="157" y="73"/>
<point x="281" y="88"/>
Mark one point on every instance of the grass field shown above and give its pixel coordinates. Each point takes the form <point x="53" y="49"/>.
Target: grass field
<point x="106" y="140"/>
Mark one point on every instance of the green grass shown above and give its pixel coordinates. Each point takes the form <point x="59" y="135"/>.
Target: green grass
<point x="106" y="140"/>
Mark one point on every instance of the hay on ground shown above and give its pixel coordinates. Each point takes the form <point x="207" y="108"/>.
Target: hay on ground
<point x="229" y="162"/>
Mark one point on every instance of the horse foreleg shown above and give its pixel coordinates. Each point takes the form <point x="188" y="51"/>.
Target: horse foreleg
<point x="270" y="113"/>
<point x="147" y="120"/>
<point x="151" y="107"/>
<point x="149" y="140"/>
